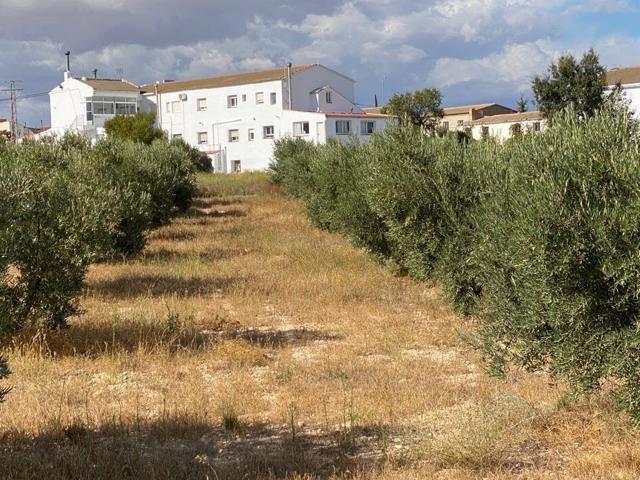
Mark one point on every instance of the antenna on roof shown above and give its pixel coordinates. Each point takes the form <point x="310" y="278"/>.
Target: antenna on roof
<point x="95" y="73"/>
<point x="375" y="98"/>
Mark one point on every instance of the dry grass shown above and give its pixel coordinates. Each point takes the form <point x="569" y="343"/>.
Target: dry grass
<point x="244" y="343"/>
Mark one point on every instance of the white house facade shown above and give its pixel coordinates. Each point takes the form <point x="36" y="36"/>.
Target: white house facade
<point x="234" y="118"/>
<point x="501" y="127"/>
<point x="629" y="79"/>
<point x="237" y="118"/>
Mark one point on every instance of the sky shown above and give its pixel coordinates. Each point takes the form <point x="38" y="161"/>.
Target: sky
<point x="474" y="51"/>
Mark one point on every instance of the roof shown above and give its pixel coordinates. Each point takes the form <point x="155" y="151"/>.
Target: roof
<point x="357" y="114"/>
<point x="624" y="76"/>
<point x="507" y="118"/>
<point x="227" y="80"/>
<point x="467" y="108"/>
<point x="372" y="110"/>
<point x="110" y="85"/>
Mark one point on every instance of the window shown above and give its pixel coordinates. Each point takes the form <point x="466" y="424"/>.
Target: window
<point x="234" y="135"/>
<point x="232" y="101"/>
<point x="485" y="132"/>
<point x="202" y="138"/>
<point x="176" y="107"/>
<point x="236" y="166"/>
<point x="89" y="110"/>
<point x="252" y="135"/>
<point x="536" y="126"/>
<point x="367" y="127"/>
<point x="259" y="98"/>
<point x="300" y="129"/>
<point x="327" y="97"/>
<point x="273" y="98"/>
<point x="343" y="127"/>
<point x="268" y="131"/>
<point x="176" y="136"/>
<point x="201" y="104"/>
<point x="445" y="125"/>
<point x="168" y="107"/>
<point x="460" y="123"/>
<point x="244" y="97"/>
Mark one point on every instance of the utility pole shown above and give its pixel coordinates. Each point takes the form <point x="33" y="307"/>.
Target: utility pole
<point x="14" y="111"/>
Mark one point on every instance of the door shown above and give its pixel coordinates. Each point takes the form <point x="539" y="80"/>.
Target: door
<point x="321" y="136"/>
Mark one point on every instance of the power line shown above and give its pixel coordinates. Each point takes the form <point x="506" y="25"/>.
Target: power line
<point x="31" y="95"/>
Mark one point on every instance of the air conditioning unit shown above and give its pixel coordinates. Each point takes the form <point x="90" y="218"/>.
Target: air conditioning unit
<point x="183" y="97"/>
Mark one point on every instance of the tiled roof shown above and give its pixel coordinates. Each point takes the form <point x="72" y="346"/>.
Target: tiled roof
<point x="624" y="76"/>
<point x="507" y="118"/>
<point x="357" y="114"/>
<point x="466" y="108"/>
<point x="110" y="85"/>
<point x="226" y="80"/>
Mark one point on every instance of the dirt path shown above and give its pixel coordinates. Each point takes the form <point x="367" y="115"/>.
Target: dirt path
<point x="244" y="343"/>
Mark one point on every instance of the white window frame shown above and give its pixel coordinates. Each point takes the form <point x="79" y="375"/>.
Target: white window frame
<point x="203" y="138"/>
<point x="251" y="135"/>
<point x="363" y="127"/>
<point x="244" y="97"/>
<point x="327" y="97"/>
<point x="201" y="104"/>
<point x="340" y="131"/>
<point x="259" y="98"/>
<point x="273" y="98"/>
<point x="232" y="101"/>
<point x="268" y="135"/>
<point x="236" y="166"/>
<point x="176" y="136"/>
<point x="168" y="107"/>
<point x="176" y="106"/>
<point x="233" y="137"/>
<point x="299" y="129"/>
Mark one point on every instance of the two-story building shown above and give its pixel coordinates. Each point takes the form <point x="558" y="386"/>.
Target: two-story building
<point x="456" y="117"/>
<point x="236" y="118"/>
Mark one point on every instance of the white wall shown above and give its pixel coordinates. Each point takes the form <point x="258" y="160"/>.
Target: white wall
<point x="380" y="124"/>
<point x="218" y="119"/>
<point x="632" y="93"/>
<point x="315" y="77"/>
<point x="67" y="102"/>
<point x="502" y="131"/>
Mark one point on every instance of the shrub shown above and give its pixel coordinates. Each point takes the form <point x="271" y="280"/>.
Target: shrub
<point x="559" y="254"/>
<point x="291" y="164"/>
<point x="52" y="224"/>
<point x="137" y="128"/>
<point x="201" y="161"/>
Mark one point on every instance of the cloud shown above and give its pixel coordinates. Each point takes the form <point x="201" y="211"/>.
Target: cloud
<point x="475" y="50"/>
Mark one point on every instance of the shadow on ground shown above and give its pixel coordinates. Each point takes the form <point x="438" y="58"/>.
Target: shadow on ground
<point x="273" y="338"/>
<point x="155" y="284"/>
<point x="183" y="447"/>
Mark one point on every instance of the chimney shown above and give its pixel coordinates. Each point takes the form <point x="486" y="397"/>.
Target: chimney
<point x="67" y="72"/>
<point x="289" y="84"/>
<point x="95" y="73"/>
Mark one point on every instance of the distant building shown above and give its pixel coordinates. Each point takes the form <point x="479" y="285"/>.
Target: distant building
<point x="455" y="117"/>
<point x="234" y="118"/>
<point x="21" y="130"/>
<point x="629" y="79"/>
<point x="501" y="127"/>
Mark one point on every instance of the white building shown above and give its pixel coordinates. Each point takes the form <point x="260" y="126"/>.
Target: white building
<point x="501" y="127"/>
<point x="234" y="118"/>
<point x="629" y="79"/>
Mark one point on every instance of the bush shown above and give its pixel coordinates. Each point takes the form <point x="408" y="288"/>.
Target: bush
<point x="201" y="161"/>
<point x="538" y="237"/>
<point x="291" y="164"/>
<point x="137" y="128"/>
<point x="4" y="373"/>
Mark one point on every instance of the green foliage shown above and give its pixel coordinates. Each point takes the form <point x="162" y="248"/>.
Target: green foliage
<point x="522" y="105"/>
<point x="200" y="160"/>
<point x="291" y="164"/>
<point x="138" y="128"/>
<point x="421" y="108"/>
<point x="538" y="238"/>
<point x="516" y="131"/>
<point x="569" y="82"/>
<point x="4" y="373"/>
<point x="67" y="204"/>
